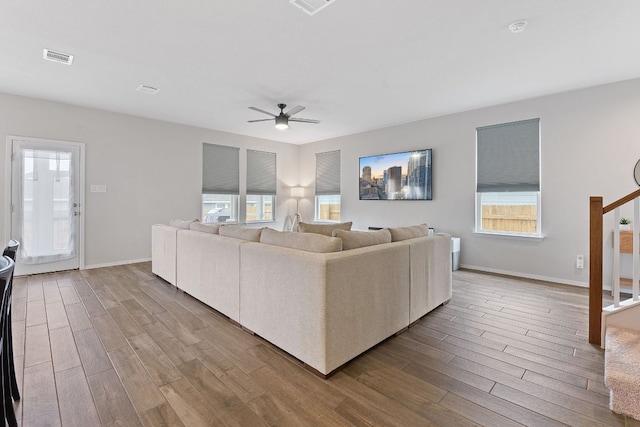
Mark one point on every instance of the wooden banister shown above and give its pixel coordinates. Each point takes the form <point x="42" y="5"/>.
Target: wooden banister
<point x="596" y="213"/>
<point x="620" y="202"/>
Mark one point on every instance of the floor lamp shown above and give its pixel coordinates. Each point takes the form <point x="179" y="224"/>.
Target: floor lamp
<point x="296" y="192"/>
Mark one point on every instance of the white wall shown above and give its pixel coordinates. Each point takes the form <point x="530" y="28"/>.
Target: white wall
<point x="590" y="142"/>
<point x="153" y="171"/>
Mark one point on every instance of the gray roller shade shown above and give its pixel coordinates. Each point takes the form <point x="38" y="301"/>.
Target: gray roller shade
<point x="328" y="173"/>
<point x="220" y="169"/>
<point x="509" y="157"/>
<point x="261" y="173"/>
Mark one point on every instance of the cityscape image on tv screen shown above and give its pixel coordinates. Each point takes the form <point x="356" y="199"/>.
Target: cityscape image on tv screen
<point x="397" y="176"/>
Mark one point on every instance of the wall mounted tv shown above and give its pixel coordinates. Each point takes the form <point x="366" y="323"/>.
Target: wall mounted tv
<point x="396" y="176"/>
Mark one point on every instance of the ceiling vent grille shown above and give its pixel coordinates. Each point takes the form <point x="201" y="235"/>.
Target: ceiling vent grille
<point x="312" y="6"/>
<point x="62" y="58"/>
<point x="150" y="90"/>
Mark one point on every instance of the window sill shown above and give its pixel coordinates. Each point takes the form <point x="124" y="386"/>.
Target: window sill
<point x="514" y="236"/>
<point x="267" y="221"/>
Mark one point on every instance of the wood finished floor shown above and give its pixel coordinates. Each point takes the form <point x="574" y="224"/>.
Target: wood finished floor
<point x="120" y="347"/>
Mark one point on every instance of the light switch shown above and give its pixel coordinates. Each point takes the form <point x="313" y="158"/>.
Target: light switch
<point x="98" y="188"/>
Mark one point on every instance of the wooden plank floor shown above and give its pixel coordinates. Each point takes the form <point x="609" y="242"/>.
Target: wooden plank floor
<point x="120" y="347"/>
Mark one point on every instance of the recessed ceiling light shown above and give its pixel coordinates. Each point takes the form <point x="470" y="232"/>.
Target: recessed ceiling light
<point x="150" y="90"/>
<point x="518" y="26"/>
<point x="52" y="55"/>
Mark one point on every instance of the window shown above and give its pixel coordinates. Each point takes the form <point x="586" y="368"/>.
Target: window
<point x="261" y="185"/>
<point x="328" y="186"/>
<point x="220" y="183"/>
<point x="260" y="208"/>
<point x="328" y="208"/>
<point x="220" y="207"/>
<point x="508" y="178"/>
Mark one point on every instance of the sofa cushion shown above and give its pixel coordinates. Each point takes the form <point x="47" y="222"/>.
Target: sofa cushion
<point x="360" y="239"/>
<point x="326" y="229"/>
<point x="205" y="228"/>
<point x="182" y="223"/>
<point x="309" y="242"/>
<point x="251" y="234"/>
<point x="404" y="233"/>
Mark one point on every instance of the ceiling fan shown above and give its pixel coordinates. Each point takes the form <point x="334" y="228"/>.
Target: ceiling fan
<point x="283" y="119"/>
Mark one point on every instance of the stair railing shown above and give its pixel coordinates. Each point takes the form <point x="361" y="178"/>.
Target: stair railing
<point x="596" y="241"/>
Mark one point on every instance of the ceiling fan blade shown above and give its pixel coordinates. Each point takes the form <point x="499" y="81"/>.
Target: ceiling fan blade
<point x="304" y="120"/>
<point x="262" y="111"/>
<point x="294" y="110"/>
<point x="260" y="120"/>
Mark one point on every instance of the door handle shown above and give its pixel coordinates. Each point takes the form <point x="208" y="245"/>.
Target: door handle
<point x="76" y="213"/>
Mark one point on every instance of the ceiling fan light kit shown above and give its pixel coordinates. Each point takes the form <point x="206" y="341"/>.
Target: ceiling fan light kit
<point x="281" y="122"/>
<point x="282" y="119"/>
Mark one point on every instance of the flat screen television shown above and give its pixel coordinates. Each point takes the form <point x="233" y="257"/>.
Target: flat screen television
<point x="396" y="176"/>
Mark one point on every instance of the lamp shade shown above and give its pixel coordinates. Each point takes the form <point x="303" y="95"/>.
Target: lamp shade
<point x="297" y="191"/>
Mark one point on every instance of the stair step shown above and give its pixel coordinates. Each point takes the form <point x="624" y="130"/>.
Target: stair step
<point x="622" y="370"/>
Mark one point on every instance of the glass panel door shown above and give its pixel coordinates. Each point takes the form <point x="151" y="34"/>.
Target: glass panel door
<point x="45" y="207"/>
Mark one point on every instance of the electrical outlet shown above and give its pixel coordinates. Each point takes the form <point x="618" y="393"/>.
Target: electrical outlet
<point x="580" y="261"/>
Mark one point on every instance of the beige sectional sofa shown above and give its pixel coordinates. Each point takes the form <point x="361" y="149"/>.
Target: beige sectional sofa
<point x="304" y="294"/>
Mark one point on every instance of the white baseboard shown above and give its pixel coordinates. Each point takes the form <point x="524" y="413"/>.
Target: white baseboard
<point x="115" y="264"/>
<point x="526" y="276"/>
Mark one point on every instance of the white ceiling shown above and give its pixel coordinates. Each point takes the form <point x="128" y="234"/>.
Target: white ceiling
<point x="356" y="65"/>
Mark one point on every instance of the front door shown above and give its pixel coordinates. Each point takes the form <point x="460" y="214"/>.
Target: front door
<point x="45" y="204"/>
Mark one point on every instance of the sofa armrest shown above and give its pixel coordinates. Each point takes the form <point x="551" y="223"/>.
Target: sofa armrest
<point x="163" y="251"/>
<point x="431" y="277"/>
<point x="208" y="268"/>
<point x="324" y="309"/>
<point x="368" y="296"/>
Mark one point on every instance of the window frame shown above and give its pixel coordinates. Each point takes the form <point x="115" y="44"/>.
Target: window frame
<point x="262" y="181"/>
<point x="478" y="223"/>
<point x="220" y="177"/>
<point x="328" y="177"/>
<point x="261" y="201"/>
<point x="317" y="208"/>
<point x="478" y="194"/>
<point x="234" y="208"/>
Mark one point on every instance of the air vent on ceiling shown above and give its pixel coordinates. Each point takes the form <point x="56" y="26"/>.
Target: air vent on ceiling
<point x="312" y="6"/>
<point x="147" y="89"/>
<point x="52" y="55"/>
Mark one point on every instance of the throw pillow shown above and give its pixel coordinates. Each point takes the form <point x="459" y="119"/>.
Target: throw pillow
<point x="360" y="239"/>
<point x="404" y="233"/>
<point x="182" y="223"/>
<point x="205" y="228"/>
<point x="326" y="229"/>
<point x="251" y="234"/>
<point x="309" y="242"/>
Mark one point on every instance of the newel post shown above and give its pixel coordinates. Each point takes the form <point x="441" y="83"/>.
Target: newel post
<point x="595" y="269"/>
